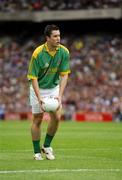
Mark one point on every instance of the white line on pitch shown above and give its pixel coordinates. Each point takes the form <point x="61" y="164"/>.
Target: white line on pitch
<point x="59" y="171"/>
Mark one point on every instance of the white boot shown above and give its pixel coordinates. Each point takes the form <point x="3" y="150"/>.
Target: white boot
<point x="38" y="156"/>
<point x="48" y="151"/>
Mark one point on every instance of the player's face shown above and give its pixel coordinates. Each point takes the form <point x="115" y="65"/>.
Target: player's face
<point x="54" y="38"/>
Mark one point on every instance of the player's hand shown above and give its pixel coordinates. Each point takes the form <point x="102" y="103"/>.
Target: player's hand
<point x="41" y="102"/>
<point x="59" y="99"/>
<point x="60" y="102"/>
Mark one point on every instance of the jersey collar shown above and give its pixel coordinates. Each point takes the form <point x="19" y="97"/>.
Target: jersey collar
<point x="47" y="49"/>
<point x="52" y="53"/>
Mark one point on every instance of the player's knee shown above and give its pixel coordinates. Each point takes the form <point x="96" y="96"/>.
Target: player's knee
<point x="58" y="117"/>
<point x="37" y="119"/>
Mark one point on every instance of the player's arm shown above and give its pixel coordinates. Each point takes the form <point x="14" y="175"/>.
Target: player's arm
<point x="63" y="84"/>
<point x="64" y="71"/>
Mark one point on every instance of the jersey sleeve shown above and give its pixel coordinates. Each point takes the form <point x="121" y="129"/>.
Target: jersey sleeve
<point x="65" y="64"/>
<point x="33" y="69"/>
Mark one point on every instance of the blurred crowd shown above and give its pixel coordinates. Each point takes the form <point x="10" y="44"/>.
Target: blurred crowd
<point x="96" y="78"/>
<point x="44" y="5"/>
<point x="95" y="83"/>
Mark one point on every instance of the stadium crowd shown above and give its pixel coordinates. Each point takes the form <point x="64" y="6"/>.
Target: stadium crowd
<point x="95" y="83"/>
<point x="44" y="5"/>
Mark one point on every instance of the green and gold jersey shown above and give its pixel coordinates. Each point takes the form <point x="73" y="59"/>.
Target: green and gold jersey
<point x="47" y="66"/>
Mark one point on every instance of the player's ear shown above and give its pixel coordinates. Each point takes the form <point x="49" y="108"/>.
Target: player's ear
<point x="47" y="38"/>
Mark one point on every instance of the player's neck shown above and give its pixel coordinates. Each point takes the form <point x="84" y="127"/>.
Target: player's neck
<point x="50" y="47"/>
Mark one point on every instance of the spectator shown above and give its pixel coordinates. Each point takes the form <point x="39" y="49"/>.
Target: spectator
<point x="94" y="85"/>
<point x="34" y="5"/>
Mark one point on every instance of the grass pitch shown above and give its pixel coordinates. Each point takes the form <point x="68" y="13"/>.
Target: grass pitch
<point x="87" y="151"/>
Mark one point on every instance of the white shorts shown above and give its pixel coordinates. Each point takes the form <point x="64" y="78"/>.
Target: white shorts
<point x="54" y="92"/>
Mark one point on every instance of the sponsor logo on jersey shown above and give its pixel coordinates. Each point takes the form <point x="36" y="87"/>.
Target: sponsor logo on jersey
<point x="46" y="65"/>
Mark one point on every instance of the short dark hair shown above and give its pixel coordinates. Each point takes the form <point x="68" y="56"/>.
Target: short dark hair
<point x="49" y="28"/>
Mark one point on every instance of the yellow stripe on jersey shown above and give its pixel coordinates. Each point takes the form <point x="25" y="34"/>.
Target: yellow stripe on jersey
<point x="64" y="47"/>
<point x="37" y="51"/>
<point x="34" y="55"/>
<point x="64" y="73"/>
<point x="31" y="77"/>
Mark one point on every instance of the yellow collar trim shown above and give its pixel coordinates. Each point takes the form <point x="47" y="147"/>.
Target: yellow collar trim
<point x="52" y="53"/>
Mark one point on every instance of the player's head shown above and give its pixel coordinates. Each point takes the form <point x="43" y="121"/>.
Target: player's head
<point x="52" y="34"/>
<point x="49" y="28"/>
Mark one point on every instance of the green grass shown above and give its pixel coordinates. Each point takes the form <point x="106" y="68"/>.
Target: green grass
<point x="87" y="151"/>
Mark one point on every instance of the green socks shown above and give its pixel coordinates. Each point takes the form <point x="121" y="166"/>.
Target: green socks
<point x="36" y="146"/>
<point x="48" y="140"/>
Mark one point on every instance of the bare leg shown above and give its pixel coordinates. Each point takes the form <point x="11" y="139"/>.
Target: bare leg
<point x="54" y="122"/>
<point x="52" y="127"/>
<point x="36" y="131"/>
<point x="35" y="127"/>
<point x="51" y="130"/>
